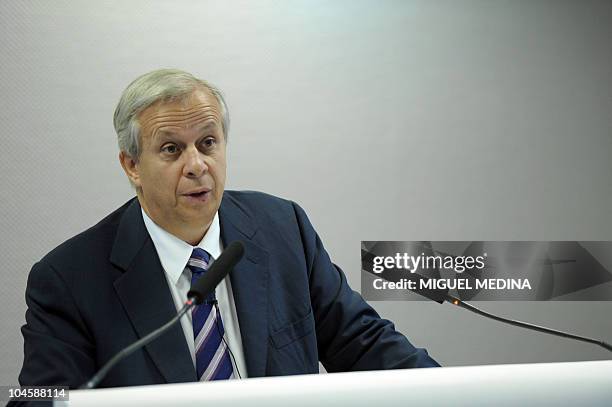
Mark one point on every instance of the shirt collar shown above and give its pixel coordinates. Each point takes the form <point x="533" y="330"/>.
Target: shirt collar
<point x="174" y="253"/>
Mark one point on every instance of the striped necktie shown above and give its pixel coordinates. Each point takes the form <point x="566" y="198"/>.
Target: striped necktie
<point x="211" y="352"/>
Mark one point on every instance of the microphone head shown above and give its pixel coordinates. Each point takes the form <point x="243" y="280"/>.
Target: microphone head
<point x="216" y="272"/>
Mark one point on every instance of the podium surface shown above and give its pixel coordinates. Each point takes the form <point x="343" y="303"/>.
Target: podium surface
<point x="570" y="383"/>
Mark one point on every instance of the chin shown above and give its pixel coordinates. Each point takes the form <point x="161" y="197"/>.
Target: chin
<point x="200" y="217"/>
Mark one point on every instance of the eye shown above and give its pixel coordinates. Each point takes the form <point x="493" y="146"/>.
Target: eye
<point x="209" y="142"/>
<point x="169" y="148"/>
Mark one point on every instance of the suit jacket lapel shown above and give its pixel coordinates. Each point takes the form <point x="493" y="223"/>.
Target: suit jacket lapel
<point x="143" y="290"/>
<point x="249" y="284"/>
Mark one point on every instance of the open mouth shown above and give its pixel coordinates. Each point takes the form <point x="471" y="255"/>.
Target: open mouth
<point x="198" y="196"/>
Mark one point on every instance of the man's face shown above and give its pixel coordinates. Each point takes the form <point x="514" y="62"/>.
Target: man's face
<point x="180" y="174"/>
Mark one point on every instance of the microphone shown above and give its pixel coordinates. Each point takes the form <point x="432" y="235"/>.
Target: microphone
<point x="465" y="305"/>
<point x="200" y="290"/>
<point x="442" y="295"/>
<point x="216" y="272"/>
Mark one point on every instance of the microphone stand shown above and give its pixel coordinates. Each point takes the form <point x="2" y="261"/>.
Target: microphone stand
<point x="459" y="303"/>
<point x="97" y="378"/>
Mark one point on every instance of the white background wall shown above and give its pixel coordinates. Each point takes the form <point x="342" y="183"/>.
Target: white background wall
<point x="385" y="120"/>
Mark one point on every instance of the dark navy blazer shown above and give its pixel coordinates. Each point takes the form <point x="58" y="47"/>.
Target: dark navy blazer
<point x="105" y="288"/>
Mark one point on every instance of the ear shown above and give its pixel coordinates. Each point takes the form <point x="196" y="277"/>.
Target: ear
<point x="130" y="166"/>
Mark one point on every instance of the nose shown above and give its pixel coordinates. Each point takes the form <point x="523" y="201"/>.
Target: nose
<point x="195" y="165"/>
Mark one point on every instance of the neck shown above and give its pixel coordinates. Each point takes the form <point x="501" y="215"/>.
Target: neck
<point x="191" y="237"/>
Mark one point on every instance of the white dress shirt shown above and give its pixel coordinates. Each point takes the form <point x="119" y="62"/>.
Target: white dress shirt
<point x="174" y="254"/>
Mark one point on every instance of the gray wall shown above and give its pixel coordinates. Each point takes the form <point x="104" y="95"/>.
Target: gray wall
<point x="385" y="120"/>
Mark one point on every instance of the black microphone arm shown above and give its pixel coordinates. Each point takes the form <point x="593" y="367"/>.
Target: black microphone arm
<point x="200" y="290"/>
<point x="465" y="305"/>
<point x="101" y="374"/>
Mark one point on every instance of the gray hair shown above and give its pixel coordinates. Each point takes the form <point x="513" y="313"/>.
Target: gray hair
<point x="162" y="84"/>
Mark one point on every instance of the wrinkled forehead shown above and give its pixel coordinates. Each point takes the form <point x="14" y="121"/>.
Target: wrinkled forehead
<point x="198" y="109"/>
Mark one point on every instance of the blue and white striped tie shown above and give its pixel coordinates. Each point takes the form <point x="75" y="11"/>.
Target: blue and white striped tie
<point x="212" y="355"/>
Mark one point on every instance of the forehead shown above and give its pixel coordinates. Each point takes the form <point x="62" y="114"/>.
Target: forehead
<point x="200" y="109"/>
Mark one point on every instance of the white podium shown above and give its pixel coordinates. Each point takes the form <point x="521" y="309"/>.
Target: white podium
<point x="544" y="384"/>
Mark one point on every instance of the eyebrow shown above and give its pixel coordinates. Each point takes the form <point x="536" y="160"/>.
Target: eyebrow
<point x="165" y="133"/>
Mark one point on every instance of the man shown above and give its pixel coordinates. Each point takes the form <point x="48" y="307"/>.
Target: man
<point x="283" y="308"/>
